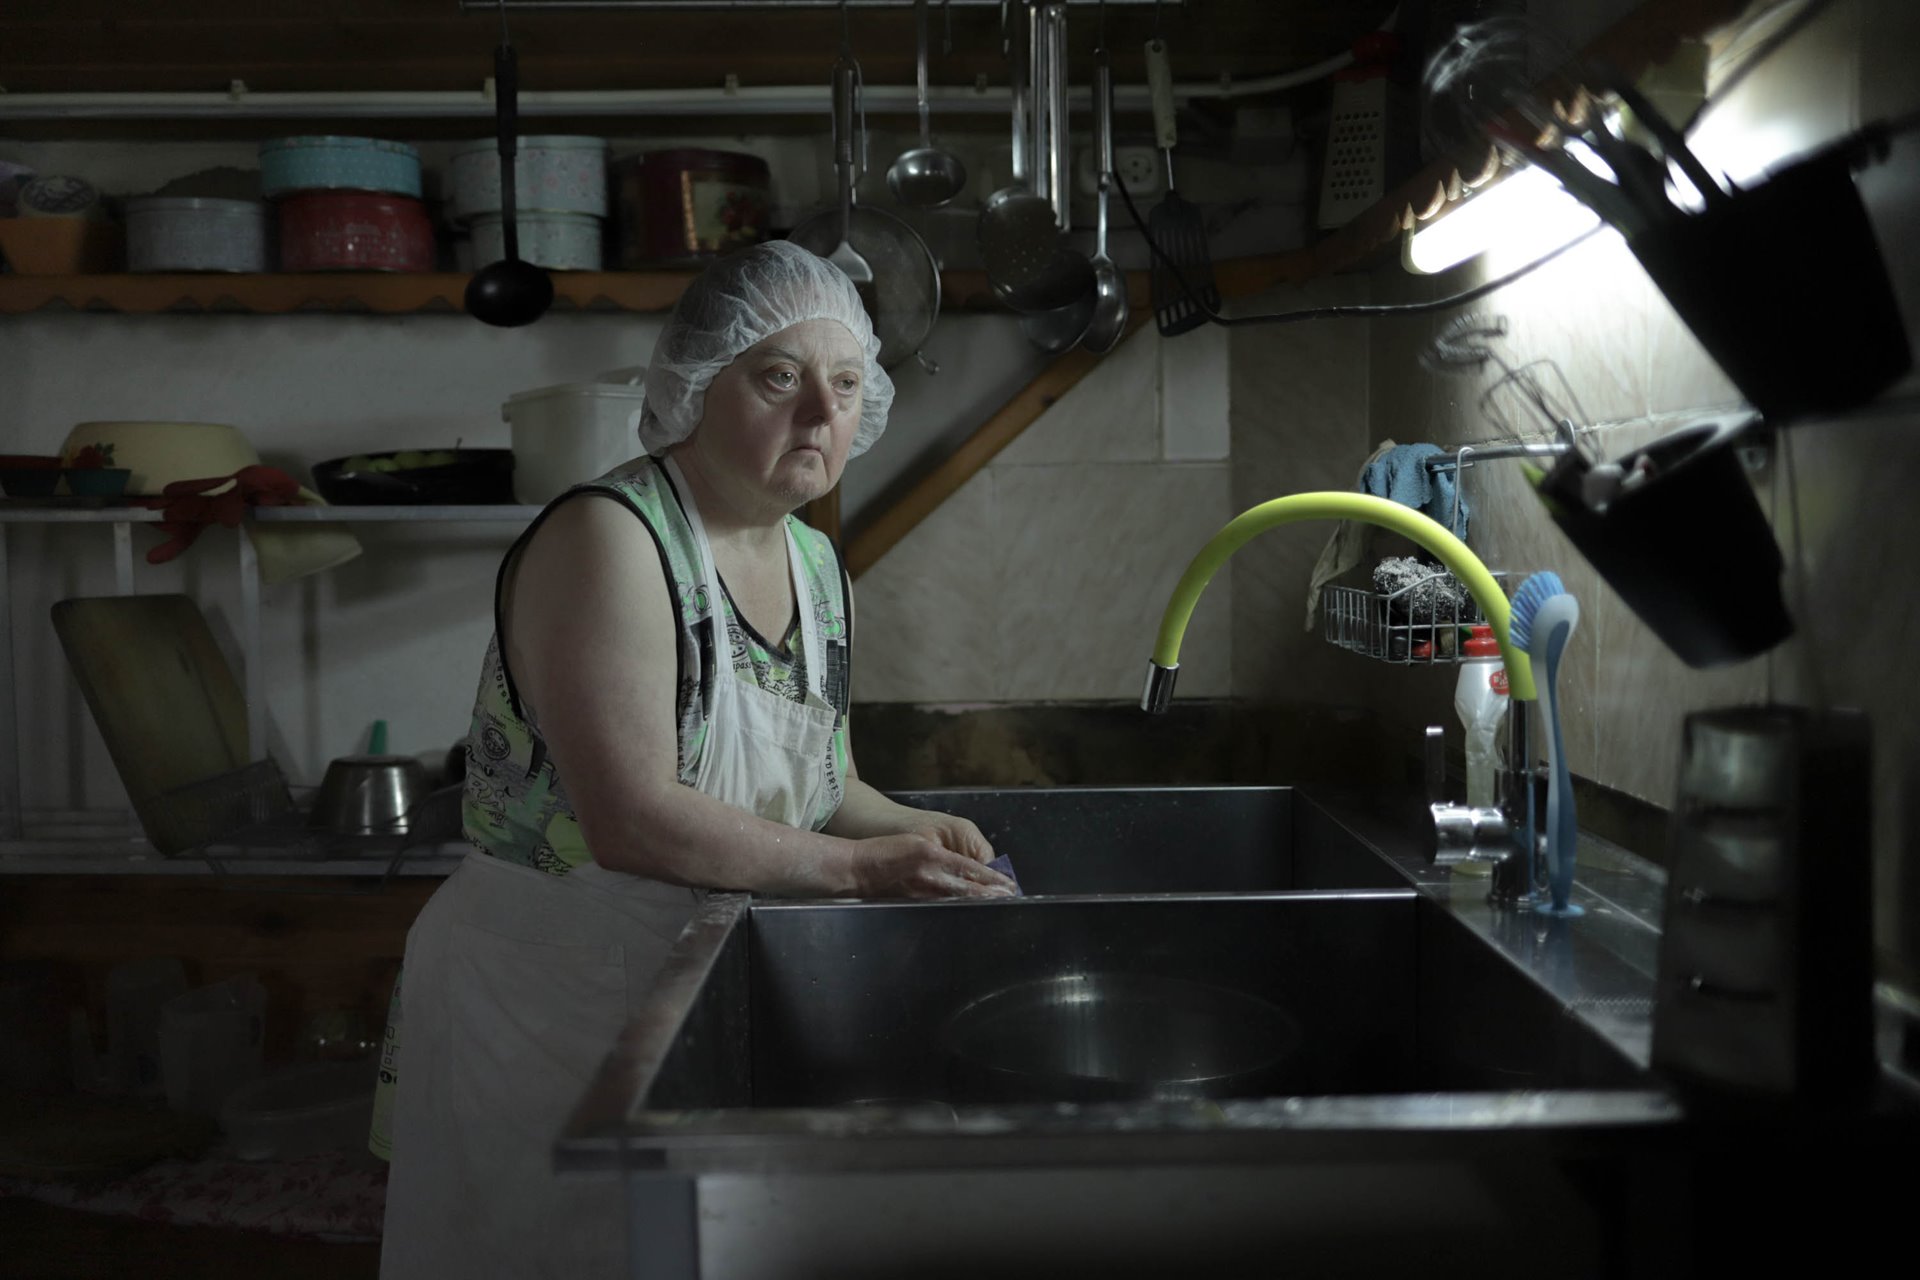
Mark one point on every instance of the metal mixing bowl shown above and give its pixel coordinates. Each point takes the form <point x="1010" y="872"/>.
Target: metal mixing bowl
<point x="1089" y="1037"/>
<point x="369" y="795"/>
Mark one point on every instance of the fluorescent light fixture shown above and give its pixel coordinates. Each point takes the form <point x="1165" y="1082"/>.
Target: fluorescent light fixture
<point x="1521" y="218"/>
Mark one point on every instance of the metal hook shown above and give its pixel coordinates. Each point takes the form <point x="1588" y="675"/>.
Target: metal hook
<point x="1459" y="486"/>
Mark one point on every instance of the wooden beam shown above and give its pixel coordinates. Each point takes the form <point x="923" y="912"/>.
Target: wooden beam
<point x="874" y="539"/>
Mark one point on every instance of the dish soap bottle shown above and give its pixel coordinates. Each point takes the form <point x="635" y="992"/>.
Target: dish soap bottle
<point x="1481" y="698"/>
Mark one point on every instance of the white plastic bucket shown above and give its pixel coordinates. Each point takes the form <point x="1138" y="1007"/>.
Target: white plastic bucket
<point x="568" y="434"/>
<point x="211" y="1042"/>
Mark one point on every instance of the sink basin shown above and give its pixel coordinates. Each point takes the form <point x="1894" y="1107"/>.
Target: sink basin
<point x="1165" y="839"/>
<point x="1174" y="1084"/>
<point x="1230" y="1033"/>
<point x="1051" y="1000"/>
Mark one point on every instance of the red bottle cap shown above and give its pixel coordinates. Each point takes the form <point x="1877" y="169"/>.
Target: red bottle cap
<point x="1481" y="643"/>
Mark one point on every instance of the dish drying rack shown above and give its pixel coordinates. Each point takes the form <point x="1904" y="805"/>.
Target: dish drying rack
<point x="251" y="813"/>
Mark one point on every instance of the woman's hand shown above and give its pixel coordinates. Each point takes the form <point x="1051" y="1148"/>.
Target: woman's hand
<point x="927" y="864"/>
<point x="957" y="834"/>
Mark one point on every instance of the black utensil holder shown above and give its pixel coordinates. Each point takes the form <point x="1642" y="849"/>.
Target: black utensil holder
<point x="1785" y="287"/>
<point x="1688" y="548"/>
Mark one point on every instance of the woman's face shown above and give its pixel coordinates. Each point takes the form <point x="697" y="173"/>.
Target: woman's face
<point x="781" y="418"/>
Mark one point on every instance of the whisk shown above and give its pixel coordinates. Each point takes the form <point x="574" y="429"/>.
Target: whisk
<point x="1481" y="87"/>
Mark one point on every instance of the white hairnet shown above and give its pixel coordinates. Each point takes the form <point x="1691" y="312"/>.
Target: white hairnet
<point x="743" y="298"/>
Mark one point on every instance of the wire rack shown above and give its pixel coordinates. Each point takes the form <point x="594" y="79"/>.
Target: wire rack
<point x="1389" y="627"/>
<point x="252" y="814"/>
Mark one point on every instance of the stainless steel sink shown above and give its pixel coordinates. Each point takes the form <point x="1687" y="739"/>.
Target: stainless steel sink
<point x="801" y="1096"/>
<point x="846" y="1003"/>
<point x="1114" y="840"/>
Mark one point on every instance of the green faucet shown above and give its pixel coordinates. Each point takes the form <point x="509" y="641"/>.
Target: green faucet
<point x="1329" y="505"/>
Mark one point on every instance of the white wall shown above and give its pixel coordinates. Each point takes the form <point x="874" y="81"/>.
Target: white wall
<point x="398" y="633"/>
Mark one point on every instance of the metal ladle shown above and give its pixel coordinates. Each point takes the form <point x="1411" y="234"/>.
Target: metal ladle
<point x="846" y="93"/>
<point x="1109" y="320"/>
<point x="925" y="177"/>
<point x="1027" y="264"/>
<point x="508" y="293"/>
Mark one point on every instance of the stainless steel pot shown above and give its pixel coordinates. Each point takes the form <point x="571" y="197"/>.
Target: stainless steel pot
<point x="369" y="795"/>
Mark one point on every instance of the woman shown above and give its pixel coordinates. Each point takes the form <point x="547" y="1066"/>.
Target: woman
<point x="663" y="710"/>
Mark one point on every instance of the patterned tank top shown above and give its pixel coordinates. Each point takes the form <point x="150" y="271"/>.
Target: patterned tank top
<point x="516" y="806"/>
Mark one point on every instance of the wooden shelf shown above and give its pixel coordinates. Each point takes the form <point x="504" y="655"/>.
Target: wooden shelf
<point x="367" y="293"/>
<point x="383" y="293"/>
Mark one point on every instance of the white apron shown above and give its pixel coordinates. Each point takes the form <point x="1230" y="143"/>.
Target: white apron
<point x="517" y="983"/>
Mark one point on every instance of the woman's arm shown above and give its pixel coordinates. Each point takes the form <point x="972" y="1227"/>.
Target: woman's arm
<point x="591" y="640"/>
<point x="865" y="813"/>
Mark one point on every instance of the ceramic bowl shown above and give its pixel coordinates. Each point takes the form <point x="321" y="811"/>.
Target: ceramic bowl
<point x="158" y="453"/>
<point x="97" y="482"/>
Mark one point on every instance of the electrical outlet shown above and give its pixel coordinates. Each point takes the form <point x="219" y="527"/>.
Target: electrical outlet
<point x="1142" y="169"/>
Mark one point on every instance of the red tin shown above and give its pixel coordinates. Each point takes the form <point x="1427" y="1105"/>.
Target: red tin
<point x="683" y="206"/>
<point x="354" y="231"/>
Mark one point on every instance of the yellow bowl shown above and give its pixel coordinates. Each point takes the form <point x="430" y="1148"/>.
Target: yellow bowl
<point x="60" y="246"/>
<point x="158" y="453"/>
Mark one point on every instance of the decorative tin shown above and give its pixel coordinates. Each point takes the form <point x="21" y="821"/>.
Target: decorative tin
<point x="332" y="163"/>
<point x="181" y="233"/>
<point x="554" y="173"/>
<point x="354" y="231"/>
<point x="557" y="241"/>
<point x="684" y="206"/>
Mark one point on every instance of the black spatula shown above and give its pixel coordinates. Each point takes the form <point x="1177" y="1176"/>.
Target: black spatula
<point x="1176" y="225"/>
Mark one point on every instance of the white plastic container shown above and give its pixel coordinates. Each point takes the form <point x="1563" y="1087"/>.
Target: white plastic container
<point x="211" y="1041"/>
<point x="565" y="435"/>
<point x="300" y="1110"/>
<point x="556" y="241"/>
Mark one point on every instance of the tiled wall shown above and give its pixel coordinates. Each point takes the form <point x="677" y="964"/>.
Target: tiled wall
<point x="1044" y="577"/>
<point x="1300" y="422"/>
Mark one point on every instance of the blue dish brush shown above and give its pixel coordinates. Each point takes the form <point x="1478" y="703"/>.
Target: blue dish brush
<point x="1544" y="616"/>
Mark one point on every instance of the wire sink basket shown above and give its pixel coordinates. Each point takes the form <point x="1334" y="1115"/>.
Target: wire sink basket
<point x="1389" y="626"/>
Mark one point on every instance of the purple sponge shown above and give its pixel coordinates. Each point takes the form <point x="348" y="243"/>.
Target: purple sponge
<point x="1004" y="865"/>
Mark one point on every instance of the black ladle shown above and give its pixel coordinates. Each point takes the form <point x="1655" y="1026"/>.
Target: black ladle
<point x="508" y="293"/>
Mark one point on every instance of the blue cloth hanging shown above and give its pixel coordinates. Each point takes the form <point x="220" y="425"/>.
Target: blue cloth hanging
<point x="1401" y="474"/>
